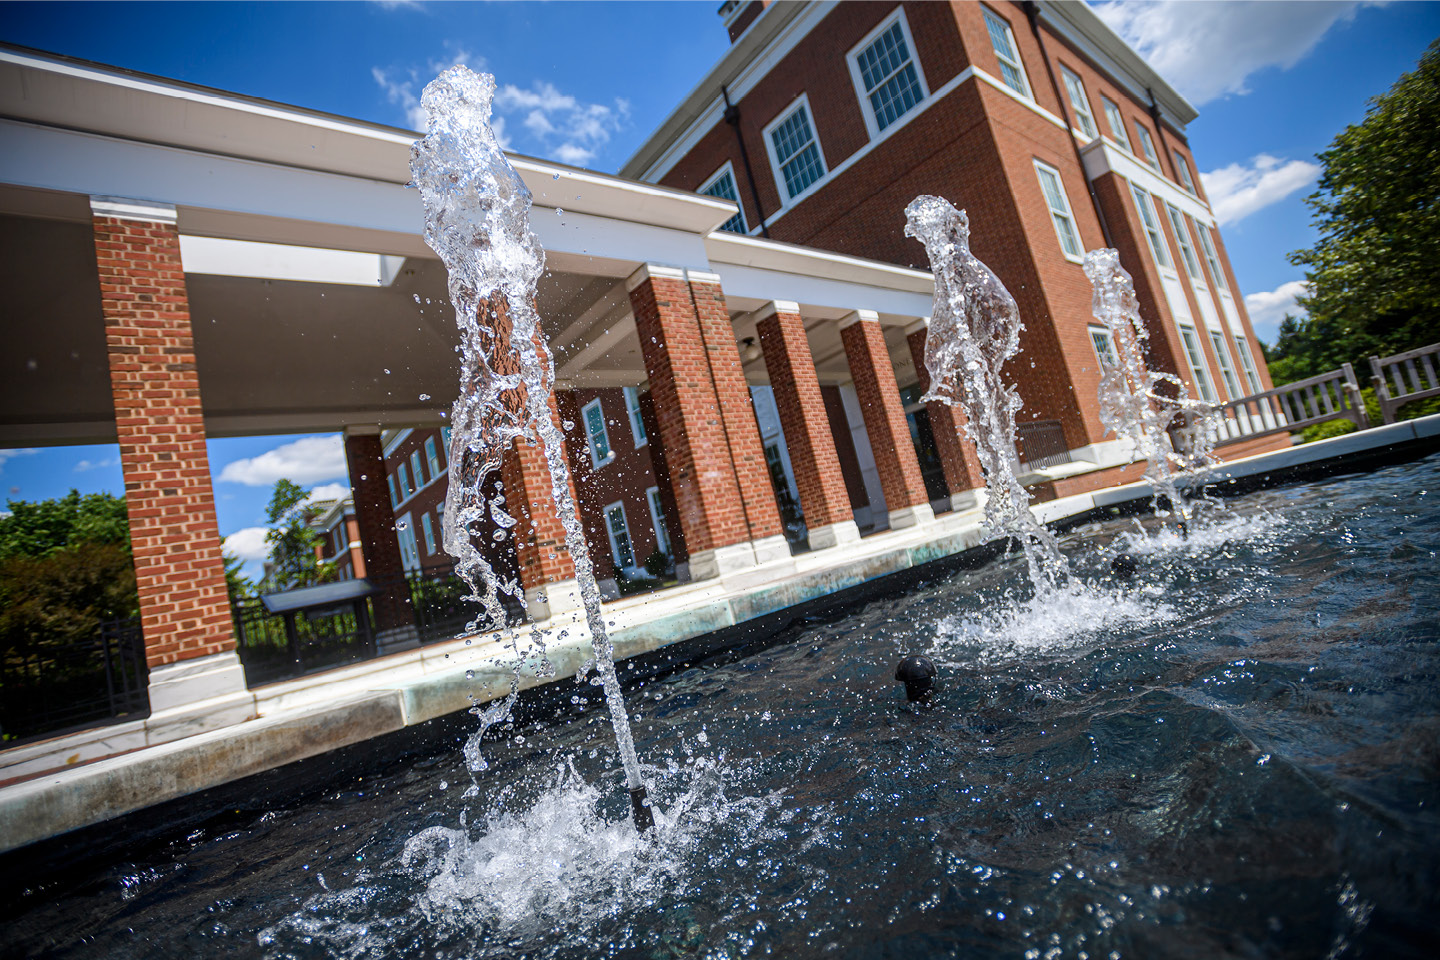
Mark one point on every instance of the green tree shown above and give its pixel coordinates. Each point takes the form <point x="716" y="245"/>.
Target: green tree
<point x="1373" y="274"/>
<point x="292" y="540"/>
<point x="236" y="582"/>
<point x="37" y="529"/>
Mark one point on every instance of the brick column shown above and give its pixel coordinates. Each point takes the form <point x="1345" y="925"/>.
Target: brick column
<point x="823" y="499"/>
<point x="947" y="423"/>
<point x="375" y="517"/>
<point x="885" y="423"/>
<point x="707" y="422"/>
<point x="184" y="604"/>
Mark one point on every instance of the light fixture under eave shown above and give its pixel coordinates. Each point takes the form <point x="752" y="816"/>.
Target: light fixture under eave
<point x="749" y="349"/>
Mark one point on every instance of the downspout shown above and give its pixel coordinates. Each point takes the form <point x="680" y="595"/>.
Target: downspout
<point x="732" y="117"/>
<point x="1032" y="11"/>
<point x="1160" y="128"/>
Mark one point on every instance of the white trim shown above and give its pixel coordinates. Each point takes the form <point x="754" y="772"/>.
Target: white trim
<point x="1201" y="372"/>
<point x="657" y="520"/>
<point x="1187" y="182"/>
<point x="637" y="424"/>
<point x="1103" y="331"/>
<point x="647" y="271"/>
<point x="1102" y="157"/>
<point x="727" y="168"/>
<point x="799" y="103"/>
<point x="1019" y="61"/>
<point x="1222" y="359"/>
<point x="857" y="316"/>
<point x="1110" y="121"/>
<point x="610" y="535"/>
<point x="1159" y="247"/>
<point x="122" y="209"/>
<point x="1084" y="104"/>
<point x="595" y="461"/>
<point x="867" y="110"/>
<point x="1067" y="212"/>
<point x="1150" y="157"/>
<point x="397" y="438"/>
<point x="1029" y="104"/>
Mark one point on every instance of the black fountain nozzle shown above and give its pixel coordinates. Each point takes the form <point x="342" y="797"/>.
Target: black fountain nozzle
<point x="918" y="675"/>
<point x="1184" y="529"/>
<point x="640" y="810"/>
<point x="1123" y="566"/>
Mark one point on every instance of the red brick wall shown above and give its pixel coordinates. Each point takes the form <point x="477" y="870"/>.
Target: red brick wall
<point x="184" y="604"/>
<point x="885" y="422"/>
<point x="845" y="448"/>
<point x="375" y="520"/>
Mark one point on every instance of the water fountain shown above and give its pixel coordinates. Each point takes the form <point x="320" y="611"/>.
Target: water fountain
<point x="477" y="218"/>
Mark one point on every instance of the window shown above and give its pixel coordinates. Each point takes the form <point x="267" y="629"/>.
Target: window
<point x="416" y="469"/>
<point x="1217" y="276"/>
<point x="722" y="185"/>
<point x="445" y="439"/>
<point x="428" y="527"/>
<point x="620" y="550"/>
<point x="1117" y="123"/>
<point x="1104" y="347"/>
<point x="794" y="150"/>
<point x="600" y="452"/>
<point x="1059" y="206"/>
<point x="1247" y="363"/>
<point x="394" y="491"/>
<point x="637" y="423"/>
<point x="409" y="554"/>
<point x="1152" y="226"/>
<point x="1196" y="358"/>
<point x="657" y="519"/>
<point x="1227" y="369"/>
<point x="1011" y="70"/>
<point x="1182" y="239"/>
<point x="432" y="457"/>
<point x="1183" y="168"/>
<point x="405" y="488"/>
<point x="1076" y="90"/>
<point x="1147" y="146"/>
<point x="885" y="74"/>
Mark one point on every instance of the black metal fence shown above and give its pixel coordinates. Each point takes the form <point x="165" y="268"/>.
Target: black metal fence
<point x="48" y="687"/>
<point x="1042" y="444"/>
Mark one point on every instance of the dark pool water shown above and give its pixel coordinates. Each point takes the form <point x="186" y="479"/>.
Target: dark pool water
<point x="1238" y="756"/>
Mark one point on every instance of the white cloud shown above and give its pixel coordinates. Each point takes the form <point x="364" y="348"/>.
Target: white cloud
<point x="17" y="452"/>
<point x="329" y="491"/>
<point x="1209" y="50"/>
<point x="247" y="545"/>
<point x="85" y="465"/>
<point x="403" y="86"/>
<point x="1240" y="189"/>
<point x="1269" y="308"/>
<point x="306" y="461"/>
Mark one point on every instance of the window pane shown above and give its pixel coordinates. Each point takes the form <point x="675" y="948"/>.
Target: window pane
<point x="895" y="97"/>
<point x="1217" y="276"/>
<point x="394" y="491"/>
<point x="723" y="187"/>
<point x="1059" y="210"/>
<point x="1104" y="346"/>
<point x="657" y="519"/>
<point x="1227" y="369"/>
<point x="1182" y="237"/>
<point x="428" y="526"/>
<point x="620" y="536"/>
<point x="417" y="469"/>
<point x="889" y="76"/>
<point x="1004" y="46"/>
<point x="1148" y="146"/>
<point x="1117" y="123"/>
<point x="405" y="486"/>
<point x="1151" y="226"/>
<point x="1076" y="90"/>
<point x="1247" y="363"/>
<point x="637" y="423"/>
<point x="796" y="151"/>
<point x="802" y="171"/>
<point x="432" y="457"/>
<point x="595" y="428"/>
<point x="1183" y="169"/>
<point x="1196" y="356"/>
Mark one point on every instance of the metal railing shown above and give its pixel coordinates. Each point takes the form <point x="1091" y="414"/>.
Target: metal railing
<point x="1411" y="374"/>
<point x="1042" y="444"/>
<point x="1295" y="406"/>
<point x="48" y="687"/>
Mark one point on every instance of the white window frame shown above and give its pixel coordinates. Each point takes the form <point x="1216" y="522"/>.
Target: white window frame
<point x="595" y="460"/>
<point x="1212" y="259"/>
<point x="1182" y="167"/>
<point x="1116" y="121"/>
<point x="852" y="59"/>
<point x="629" y="540"/>
<point x="1228" y="377"/>
<point x="1154" y="234"/>
<point x="432" y="457"/>
<point x="657" y="519"/>
<point x="409" y="549"/>
<point x="1187" y="249"/>
<point x="728" y="169"/>
<point x="637" y="423"/>
<point x="406" y="490"/>
<point x="1108" y="356"/>
<point x="1013" y="60"/>
<point x="1195" y="357"/>
<point x="418" y="470"/>
<point x="801" y="102"/>
<point x="1065" y="213"/>
<point x="427" y="527"/>
<point x="1147" y="145"/>
<point x="1247" y="363"/>
<point x="395" y="500"/>
<point x="1079" y="101"/>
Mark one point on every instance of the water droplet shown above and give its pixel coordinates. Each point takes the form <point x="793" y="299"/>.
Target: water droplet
<point x="556" y="177"/>
<point x="559" y="212"/>
<point x="424" y="396"/>
<point x="387" y="371"/>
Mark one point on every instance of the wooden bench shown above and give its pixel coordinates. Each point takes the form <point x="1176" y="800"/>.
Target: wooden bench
<point x="1412" y="375"/>
<point x="1295" y="406"/>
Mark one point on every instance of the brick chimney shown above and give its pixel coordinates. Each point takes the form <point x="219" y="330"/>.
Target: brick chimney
<point x="739" y="14"/>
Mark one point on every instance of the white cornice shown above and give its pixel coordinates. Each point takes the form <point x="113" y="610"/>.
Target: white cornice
<point x="1102" y="157"/>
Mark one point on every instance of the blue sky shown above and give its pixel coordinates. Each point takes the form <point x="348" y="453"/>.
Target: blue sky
<point x="586" y="83"/>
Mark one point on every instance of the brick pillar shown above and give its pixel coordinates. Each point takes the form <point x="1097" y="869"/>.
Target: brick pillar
<point x="885" y="423"/>
<point x="707" y="422"/>
<point x="826" y="505"/>
<point x="590" y="495"/>
<point x="947" y="423"/>
<point x="184" y="604"/>
<point x="375" y="517"/>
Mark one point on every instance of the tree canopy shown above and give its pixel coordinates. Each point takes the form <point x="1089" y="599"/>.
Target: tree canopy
<point x="1373" y="274"/>
<point x="292" y="540"/>
<point x="40" y="528"/>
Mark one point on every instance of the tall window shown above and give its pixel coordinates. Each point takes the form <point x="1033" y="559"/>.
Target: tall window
<point x="1151" y="225"/>
<point x="657" y="519"/>
<point x="1182" y="239"/>
<point x="1227" y="369"/>
<point x="1078" y="100"/>
<point x="1104" y="346"/>
<point x="637" y="423"/>
<point x="1147" y="146"/>
<point x="1212" y="262"/>
<point x="1011" y="69"/>
<point x="405" y="534"/>
<point x="1196" y="358"/>
<point x="795" y="151"/>
<point x="405" y="488"/>
<point x="394" y="491"/>
<point x="722" y="185"/>
<point x="427" y="525"/>
<point x="594" y="416"/>
<point x="620" y="550"/>
<point x="1117" y="122"/>
<point x="1247" y="363"/>
<point x="432" y="456"/>
<point x="1059" y="206"/>
<point x="885" y="73"/>
<point x="1183" y="168"/>
<point x="416" y="469"/>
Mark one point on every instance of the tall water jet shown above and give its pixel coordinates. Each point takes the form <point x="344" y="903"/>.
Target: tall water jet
<point x="477" y="218"/>
<point x="975" y="329"/>
<point x="1140" y="405"/>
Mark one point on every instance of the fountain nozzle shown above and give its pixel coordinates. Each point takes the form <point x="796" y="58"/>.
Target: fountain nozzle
<point x="1123" y="566"/>
<point x="918" y="675"/>
<point x="640" y="810"/>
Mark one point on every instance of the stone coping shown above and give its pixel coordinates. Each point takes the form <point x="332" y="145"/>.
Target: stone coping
<point x="285" y="722"/>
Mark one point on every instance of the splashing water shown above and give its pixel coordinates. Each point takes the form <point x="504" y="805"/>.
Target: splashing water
<point x="477" y="218"/>
<point x="1139" y="405"/>
<point x="974" y="331"/>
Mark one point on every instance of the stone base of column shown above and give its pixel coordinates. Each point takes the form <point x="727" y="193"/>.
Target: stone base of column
<point x="911" y="516"/>
<point x="771" y="549"/>
<point x="562" y="596"/>
<point x="396" y="639"/>
<point x="833" y="535"/>
<point x="723" y="561"/>
<point x="968" y="500"/>
<point x="186" y="682"/>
